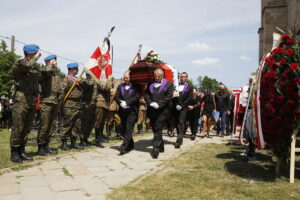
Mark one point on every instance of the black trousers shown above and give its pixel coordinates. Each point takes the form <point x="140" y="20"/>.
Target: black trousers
<point x="229" y="123"/>
<point x="193" y="121"/>
<point x="180" y="121"/>
<point x="158" y="119"/>
<point x="128" y="120"/>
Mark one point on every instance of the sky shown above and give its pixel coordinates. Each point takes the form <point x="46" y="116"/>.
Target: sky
<point x="214" y="38"/>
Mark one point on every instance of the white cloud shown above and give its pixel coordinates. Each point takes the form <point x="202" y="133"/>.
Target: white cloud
<point x="246" y="58"/>
<point x="198" y="46"/>
<point x="206" y="61"/>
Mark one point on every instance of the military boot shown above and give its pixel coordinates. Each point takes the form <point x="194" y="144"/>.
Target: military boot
<point x="42" y="150"/>
<point x="15" y="156"/>
<point x="74" y="145"/>
<point x="108" y="131"/>
<point x="64" y="145"/>
<point x="49" y="150"/>
<point x="23" y="154"/>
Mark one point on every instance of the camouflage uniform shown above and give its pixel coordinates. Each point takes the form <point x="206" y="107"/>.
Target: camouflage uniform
<point x="51" y="91"/>
<point x="113" y="115"/>
<point x="103" y="94"/>
<point x="88" y="114"/>
<point x="27" y="76"/>
<point x="141" y="115"/>
<point x="71" y="108"/>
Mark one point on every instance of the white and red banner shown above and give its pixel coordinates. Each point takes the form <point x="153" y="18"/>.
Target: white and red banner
<point x="99" y="64"/>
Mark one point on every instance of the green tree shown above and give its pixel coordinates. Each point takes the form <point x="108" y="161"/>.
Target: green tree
<point x="7" y="59"/>
<point x="208" y="83"/>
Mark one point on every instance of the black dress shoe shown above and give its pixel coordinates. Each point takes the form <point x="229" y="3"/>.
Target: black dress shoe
<point x="193" y="137"/>
<point x="122" y="151"/>
<point x="155" y="153"/>
<point x="177" y="145"/>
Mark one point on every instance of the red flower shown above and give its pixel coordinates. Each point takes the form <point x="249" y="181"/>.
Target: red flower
<point x="280" y="99"/>
<point x="297" y="113"/>
<point x="290" y="41"/>
<point x="273" y="66"/>
<point x="282" y="83"/>
<point x="289" y="91"/>
<point x="294" y="66"/>
<point x="270" y="110"/>
<point x="289" y="52"/>
<point x="290" y="103"/>
<point x="296" y="81"/>
<point x="270" y="58"/>
<point x="285" y="35"/>
<point x="282" y="61"/>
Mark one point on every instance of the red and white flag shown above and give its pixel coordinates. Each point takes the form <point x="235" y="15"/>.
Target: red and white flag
<point x="99" y="64"/>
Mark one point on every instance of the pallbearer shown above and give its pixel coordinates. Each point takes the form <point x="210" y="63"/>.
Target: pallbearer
<point x="50" y="85"/>
<point x="27" y="76"/>
<point x="181" y="106"/>
<point x="128" y="96"/>
<point x="158" y="97"/>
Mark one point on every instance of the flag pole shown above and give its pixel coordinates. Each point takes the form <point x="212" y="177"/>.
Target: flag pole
<point x="139" y="51"/>
<point x="74" y="84"/>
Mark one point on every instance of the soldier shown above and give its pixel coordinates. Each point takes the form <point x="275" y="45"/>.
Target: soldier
<point x="180" y="104"/>
<point x="127" y="96"/>
<point x="71" y="107"/>
<point x="50" y="86"/>
<point x="113" y="117"/>
<point x="141" y="115"/>
<point x="103" y="91"/>
<point x="27" y="76"/>
<point x="158" y="96"/>
<point x="88" y="115"/>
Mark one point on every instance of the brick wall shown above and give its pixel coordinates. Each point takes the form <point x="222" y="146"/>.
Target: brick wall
<point x="284" y="14"/>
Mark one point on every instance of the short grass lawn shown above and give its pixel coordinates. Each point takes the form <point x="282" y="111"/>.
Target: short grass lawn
<point x="213" y="172"/>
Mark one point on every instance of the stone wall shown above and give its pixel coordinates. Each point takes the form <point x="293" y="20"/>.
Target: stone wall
<point x="283" y="14"/>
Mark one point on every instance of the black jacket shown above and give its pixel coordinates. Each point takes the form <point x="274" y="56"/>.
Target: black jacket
<point x="222" y="101"/>
<point x="131" y="97"/>
<point x="185" y="97"/>
<point x="163" y="98"/>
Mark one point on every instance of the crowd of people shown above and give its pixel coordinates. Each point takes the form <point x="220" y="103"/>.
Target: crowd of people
<point x="81" y="105"/>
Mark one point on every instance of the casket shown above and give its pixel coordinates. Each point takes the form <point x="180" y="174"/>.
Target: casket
<point x="142" y="72"/>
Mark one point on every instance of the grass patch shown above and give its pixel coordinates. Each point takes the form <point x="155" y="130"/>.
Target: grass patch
<point x="210" y="172"/>
<point x="66" y="172"/>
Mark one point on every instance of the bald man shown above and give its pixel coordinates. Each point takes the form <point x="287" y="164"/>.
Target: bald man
<point x="158" y="98"/>
<point x="128" y="96"/>
<point x="223" y="107"/>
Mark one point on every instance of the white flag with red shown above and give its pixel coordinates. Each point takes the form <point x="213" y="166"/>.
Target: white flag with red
<point x="99" y="64"/>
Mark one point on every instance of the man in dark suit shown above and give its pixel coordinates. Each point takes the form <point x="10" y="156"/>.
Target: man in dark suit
<point x="229" y="119"/>
<point x="128" y="97"/>
<point x="180" y="104"/>
<point x="158" y="98"/>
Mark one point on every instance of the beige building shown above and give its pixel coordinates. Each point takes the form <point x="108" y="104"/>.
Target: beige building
<point x="284" y="14"/>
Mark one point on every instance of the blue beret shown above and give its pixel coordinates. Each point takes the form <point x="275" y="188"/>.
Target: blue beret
<point x="72" y="65"/>
<point x="50" y="57"/>
<point x="31" y="48"/>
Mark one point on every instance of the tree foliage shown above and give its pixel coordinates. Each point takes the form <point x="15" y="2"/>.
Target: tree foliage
<point x="7" y="59"/>
<point x="205" y="82"/>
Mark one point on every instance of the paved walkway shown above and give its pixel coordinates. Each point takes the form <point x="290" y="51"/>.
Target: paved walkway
<point x="89" y="175"/>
